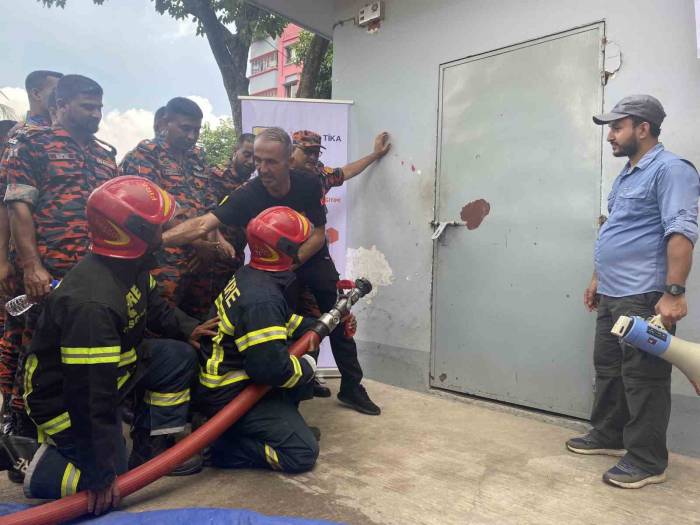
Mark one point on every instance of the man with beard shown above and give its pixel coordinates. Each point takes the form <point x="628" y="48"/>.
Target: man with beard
<point x="50" y="174"/>
<point x="277" y="185"/>
<point x="643" y="255"/>
<point x="174" y="162"/>
<point x="222" y="184"/>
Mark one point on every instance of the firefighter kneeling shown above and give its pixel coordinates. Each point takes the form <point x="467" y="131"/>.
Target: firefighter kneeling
<point x="89" y="354"/>
<point x="255" y="328"/>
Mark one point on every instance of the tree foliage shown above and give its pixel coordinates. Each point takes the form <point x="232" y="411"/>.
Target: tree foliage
<point x="303" y="49"/>
<point x="6" y="111"/>
<point x="218" y="142"/>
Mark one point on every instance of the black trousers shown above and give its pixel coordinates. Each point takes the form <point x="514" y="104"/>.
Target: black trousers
<point x="161" y="408"/>
<point x="272" y="435"/>
<point x="633" y="388"/>
<point x="320" y="276"/>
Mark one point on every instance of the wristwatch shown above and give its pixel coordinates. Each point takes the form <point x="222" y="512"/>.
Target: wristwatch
<point x="675" y="289"/>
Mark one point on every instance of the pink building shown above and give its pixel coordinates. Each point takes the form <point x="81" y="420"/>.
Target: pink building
<point x="272" y="71"/>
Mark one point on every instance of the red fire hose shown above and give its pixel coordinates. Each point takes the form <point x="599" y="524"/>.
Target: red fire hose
<point x="74" y="506"/>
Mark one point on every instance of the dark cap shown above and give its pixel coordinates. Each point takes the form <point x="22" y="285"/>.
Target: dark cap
<point x="645" y="107"/>
<point x="307" y="139"/>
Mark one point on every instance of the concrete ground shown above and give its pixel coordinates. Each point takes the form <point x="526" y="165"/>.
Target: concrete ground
<point x="433" y="459"/>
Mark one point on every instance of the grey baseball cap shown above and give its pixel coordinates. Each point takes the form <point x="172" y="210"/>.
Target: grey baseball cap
<point x="643" y="106"/>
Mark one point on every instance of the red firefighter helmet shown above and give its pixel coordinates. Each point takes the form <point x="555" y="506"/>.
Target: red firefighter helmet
<point x="274" y="237"/>
<point x="124" y="215"/>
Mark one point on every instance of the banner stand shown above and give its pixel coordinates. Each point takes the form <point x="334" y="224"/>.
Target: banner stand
<point x="328" y="118"/>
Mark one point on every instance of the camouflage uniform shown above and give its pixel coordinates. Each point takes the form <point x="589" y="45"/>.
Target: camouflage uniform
<point x="222" y="184"/>
<point x="13" y="326"/>
<point x="330" y="177"/>
<point x="48" y="170"/>
<point x="189" y="185"/>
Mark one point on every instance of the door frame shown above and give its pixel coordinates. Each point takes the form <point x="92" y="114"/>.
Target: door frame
<point x="600" y="26"/>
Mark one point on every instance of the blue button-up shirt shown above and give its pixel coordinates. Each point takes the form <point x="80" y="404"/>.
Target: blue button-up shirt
<point x="648" y="202"/>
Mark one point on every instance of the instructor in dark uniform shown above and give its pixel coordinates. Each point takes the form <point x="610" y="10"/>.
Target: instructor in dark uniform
<point x="277" y="185"/>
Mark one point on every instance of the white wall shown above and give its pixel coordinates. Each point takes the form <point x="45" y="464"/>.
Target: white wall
<point x="392" y="75"/>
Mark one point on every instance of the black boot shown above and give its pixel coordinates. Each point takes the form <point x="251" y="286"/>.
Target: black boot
<point x="320" y="390"/>
<point x="16" y="453"/>
<point x="356" y="397"/>
<point x="147" y="447"/>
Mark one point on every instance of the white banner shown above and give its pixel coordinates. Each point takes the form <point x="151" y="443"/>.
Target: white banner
<point x="330" y="120"/>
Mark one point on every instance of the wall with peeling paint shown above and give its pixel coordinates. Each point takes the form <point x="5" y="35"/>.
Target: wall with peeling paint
<point x="392" y="75"/>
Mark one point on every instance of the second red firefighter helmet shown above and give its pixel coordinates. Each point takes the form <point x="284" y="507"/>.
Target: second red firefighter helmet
<point x="274" y="237"/>
<point x="125" y="214"/>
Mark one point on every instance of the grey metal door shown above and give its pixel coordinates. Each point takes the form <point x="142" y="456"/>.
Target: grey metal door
<point x="519" y="160"/>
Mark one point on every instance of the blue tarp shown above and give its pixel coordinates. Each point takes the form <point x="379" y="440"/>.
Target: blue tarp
<point x="184" y="517"/>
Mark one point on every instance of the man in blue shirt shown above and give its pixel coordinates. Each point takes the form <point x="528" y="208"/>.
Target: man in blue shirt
<point x="643" y="256"/>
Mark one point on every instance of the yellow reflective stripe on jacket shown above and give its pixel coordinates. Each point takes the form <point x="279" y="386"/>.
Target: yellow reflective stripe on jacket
<point x="123" y="379"/>
<point x="29" y="369"/>
<point x="167" y="399"/>
<point x="225" y="324"/>
<point x="90" y="355"/>
<point x="292" y="381"/>
<point x="55" y="425"/>
<point x="152" y="283"/>
<point x="263" y="335"/>
<point x="127" y="357"/>
<point x="271" y="457"/>
<point x="69" y="483"/>
<point x="216" y="381"/>
<point x="293" y="323"/>
<point x="217" y="355"/>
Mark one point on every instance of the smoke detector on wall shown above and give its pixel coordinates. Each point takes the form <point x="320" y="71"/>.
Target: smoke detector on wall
<point x="372" y="12"/>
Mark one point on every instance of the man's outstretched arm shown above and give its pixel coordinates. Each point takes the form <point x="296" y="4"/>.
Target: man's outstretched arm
<point x="190" y="230"/>
<point x="381" y="148"/>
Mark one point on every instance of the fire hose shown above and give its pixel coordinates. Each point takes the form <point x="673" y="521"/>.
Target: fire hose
<point x="74" y="506"/>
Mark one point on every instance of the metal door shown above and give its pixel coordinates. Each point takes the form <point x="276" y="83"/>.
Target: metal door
<point x="519" y="160"/>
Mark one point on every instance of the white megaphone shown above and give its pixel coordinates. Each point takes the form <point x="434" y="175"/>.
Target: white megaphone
<point x="651" y="336"/>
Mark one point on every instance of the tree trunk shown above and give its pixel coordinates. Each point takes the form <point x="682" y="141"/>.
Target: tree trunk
<point x="312" y="67"/>
<point x="230" y="53"/>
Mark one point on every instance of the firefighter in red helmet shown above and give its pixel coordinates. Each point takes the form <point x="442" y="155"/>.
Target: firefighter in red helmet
<point x="89" y="354"/>
<point x="255" y="329"/>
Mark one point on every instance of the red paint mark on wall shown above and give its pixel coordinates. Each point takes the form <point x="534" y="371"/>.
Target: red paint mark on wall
<point x="474" y="212"/>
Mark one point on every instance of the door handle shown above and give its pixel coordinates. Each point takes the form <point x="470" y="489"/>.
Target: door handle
<point x="441" y="226"/>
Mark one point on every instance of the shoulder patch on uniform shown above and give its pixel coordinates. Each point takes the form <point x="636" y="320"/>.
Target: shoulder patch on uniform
<point x="28" y="131"/>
